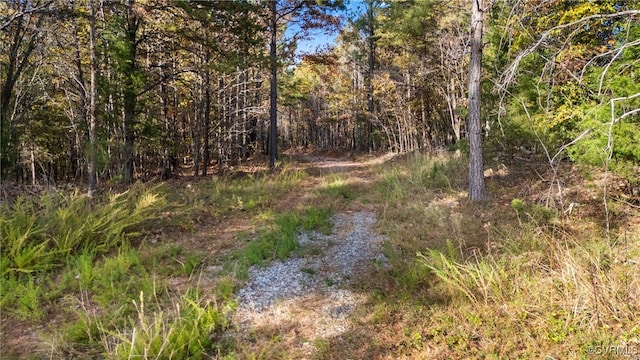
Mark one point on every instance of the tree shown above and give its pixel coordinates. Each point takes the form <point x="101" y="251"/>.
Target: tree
<point x="371" y="8"/>
<point x="476" y="166"/>
<point x="130" y="69"/>
<point x="23" y="35"/>
<point x="93" y="98"/>
<point x="273" y="84"/>
<point x="574" y="84"/>
<point x="306" y="14"/>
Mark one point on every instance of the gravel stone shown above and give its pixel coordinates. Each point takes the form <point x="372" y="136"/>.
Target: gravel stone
<point x="311" y="291"/>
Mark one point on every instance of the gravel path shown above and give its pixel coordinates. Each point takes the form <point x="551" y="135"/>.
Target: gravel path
<point x="310" y="295"/>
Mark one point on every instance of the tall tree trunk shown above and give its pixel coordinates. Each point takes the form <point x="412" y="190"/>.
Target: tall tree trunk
<point x="476" y="166"/>
<point x="164" y="113"/>
<point x="129" y="93"/>
<point x="128" y="123"/>
<point x="83" y="106"/>
<point x="93" y="94"/>
<point x="206" y="154"/>
<point x="273" y="91"/>
<point x="372" y="53"/>
<point x="197" y="127"/>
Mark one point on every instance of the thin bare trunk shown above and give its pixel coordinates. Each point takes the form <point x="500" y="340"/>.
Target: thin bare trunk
<point x="273" y="84"/>
<point x="92" y="158"/>
<point x="476" y="166"/>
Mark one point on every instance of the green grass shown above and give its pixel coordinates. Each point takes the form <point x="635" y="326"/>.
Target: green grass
<point x="507" y="279"/>
<point x="39" y="234"/>
<point x="279" y="240"/>
<point x="92" y="263"/>
<point x="337" y="187"/>
<point x="40" y="237"/>
<point x="190" y="329"/>
<point x="500" y="280"/>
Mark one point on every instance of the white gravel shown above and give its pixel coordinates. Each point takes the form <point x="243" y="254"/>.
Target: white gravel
<point x="311" y="292"/>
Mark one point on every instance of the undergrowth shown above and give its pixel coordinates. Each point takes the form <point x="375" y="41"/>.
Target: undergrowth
<point x="507" y="279"/>
<point x="40" y="236"/>
<point x="101" y="266"/>
<point x="511" y="278"/>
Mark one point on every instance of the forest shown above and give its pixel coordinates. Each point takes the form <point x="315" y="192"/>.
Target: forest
<point x="154" y="153"/>
<point x="121" y="91"/>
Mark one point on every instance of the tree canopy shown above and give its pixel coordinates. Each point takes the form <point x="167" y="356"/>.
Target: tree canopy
<point x="198" y="83"/>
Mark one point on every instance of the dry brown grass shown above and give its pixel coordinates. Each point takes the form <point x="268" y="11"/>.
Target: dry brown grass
<point x="496" y="280"/>
<point x="541" y="282"/>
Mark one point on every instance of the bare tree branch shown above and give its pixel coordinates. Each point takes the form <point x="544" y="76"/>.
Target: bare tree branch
<point x="6" y="22"/>
<point x="510" y="73"/>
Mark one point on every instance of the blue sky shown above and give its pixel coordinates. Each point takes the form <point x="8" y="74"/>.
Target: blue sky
<point x="320" y="38"/>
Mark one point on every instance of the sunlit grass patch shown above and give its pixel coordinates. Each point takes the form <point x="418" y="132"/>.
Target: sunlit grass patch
<point x="496" y="280"/>
<point x="337" y="186"/>
<point x="278" y="241"/>
<point x="222" y="196"/>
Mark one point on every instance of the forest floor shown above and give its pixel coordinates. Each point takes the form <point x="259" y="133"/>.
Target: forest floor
<point x="310" y="298"/>
<point x="358" y="290"/>
<point x="332" y="299"/>
<point x="301" y="309"/>
<point x="340" y="297"/>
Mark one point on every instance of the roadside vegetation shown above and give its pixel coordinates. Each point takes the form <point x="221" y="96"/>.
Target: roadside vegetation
<point x="530" y="273"/>
<point x="98" y="278"/>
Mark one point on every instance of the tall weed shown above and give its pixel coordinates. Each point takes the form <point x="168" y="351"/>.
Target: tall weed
<point x="481" y="281"/>
<point x="23" y="239"/>
<point x="41" y="235"/>
<point x="190" y="329"/>
<point x="37" y="234"/>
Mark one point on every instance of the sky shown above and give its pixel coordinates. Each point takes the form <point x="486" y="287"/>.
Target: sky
<point x="320" y="39"/>
<point x="317" y="40"/>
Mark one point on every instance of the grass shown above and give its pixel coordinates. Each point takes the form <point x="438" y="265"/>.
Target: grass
<point x="225" y="196"/>
<point x="507" y="279"/>
<point x="40" y="236"/>
<point x="279" y="240"/>
<point x="189" y="329"/>
<point x="103" y="263"/>
<point x="510" y="278"/>
<point x="336" y="186"/>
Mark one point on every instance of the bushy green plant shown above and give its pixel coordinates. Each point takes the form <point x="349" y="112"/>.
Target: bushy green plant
<point x="538" y="214"/>
<point x="189" y="330"/>
<point x="23" y="298"/>
<point x="23" y="239"/>
<point x="317" y="219"/>
<point x="37" y="234"/>
<point x="119" y="278"/>
<point x="436" y="177"/>
<point x="192" y="263"/>
<point x="57" y="243"/>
